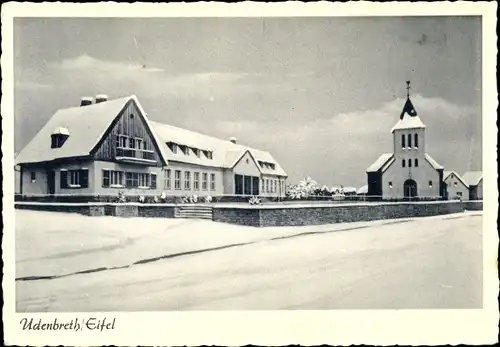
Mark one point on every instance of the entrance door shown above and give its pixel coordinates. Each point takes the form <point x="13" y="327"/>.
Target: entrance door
<point x="410" y="188"/>
<point x="51" y="182"/>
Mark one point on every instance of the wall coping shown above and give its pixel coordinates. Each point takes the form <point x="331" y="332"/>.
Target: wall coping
<point x="89" y="204"/>
<point x="329" y="205"/>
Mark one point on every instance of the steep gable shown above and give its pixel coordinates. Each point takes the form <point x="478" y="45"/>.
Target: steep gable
<point x="130" y="139"/>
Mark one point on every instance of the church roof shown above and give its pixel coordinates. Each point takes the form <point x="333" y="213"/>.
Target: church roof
<point x="433" y="163"/>
<point x="409" y="118"/>
<point x="381" y="162"/>
<point x="472" y="178"/>
<point x="413" y="122"/>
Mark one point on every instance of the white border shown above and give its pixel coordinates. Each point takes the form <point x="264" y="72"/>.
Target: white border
<point x="270" y="327"/>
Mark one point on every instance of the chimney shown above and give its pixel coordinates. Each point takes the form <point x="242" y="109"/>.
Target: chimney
<point x="232" y="139"/>
<point x="84" y="101"/>
<point x="101" y="98"/>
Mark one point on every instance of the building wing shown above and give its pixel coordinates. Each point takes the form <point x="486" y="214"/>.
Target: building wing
<point x="472" y="178"/>
<point x="191" y="147"/>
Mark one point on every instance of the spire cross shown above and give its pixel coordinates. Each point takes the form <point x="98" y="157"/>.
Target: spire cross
<point x="408" y="89"/>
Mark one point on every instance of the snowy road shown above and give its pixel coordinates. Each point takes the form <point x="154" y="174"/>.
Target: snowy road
<point x="431" y="262"/>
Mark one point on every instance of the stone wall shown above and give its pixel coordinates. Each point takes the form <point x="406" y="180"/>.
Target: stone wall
<point x="158" y="211"/>
<point x="474" y="205"/>
<point x="241" y="216"/>
<point x="326" y="214"/>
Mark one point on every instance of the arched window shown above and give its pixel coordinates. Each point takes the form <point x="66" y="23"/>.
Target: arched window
<point x="416" y="162"/>
<point x="403" y="144"/>
<point x="409" y="140"/>
<point x="409" y="162"/>
<point x="416" y="142"/>
<point x="403" y="163"/>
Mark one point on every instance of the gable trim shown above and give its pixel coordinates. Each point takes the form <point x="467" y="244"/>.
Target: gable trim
<point x="116" y="120"/>
<point x="241" y="157"/>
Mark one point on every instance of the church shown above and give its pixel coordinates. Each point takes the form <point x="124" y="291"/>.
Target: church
<point x="409" y="171"/>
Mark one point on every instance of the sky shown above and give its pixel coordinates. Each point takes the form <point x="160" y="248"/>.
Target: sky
<point x="320" y="93"/>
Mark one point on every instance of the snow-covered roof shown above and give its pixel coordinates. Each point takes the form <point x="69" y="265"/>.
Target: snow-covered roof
<point x="88" y="125"/>
<point x="380" y="162"/>
<point x="446" y="174"/>
<point x="85" y="124"/>
<point x="60" y="131"/>
<point x="408" y="122"/>
<point x="224" y="153"/>
<point x="363" y="190"/>
<point x="349" y="189"/>
<point x="472" y="178"/>
<point x="433" y="163"/>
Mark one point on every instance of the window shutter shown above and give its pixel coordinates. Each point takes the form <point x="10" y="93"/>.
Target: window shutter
<point x="64" y="179"/>
<point x="153" y="181"/>
<point x="105" y="178"/>
<point x="84" y="178"/>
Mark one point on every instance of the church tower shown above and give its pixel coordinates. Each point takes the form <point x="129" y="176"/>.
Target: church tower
<point x="409" y="171"/>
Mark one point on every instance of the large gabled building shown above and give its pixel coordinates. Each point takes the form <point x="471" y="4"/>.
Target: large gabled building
<point x="111" y="146"/>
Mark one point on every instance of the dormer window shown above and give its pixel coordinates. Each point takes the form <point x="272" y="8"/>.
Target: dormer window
<point x="184" y="149"/>
<point x="210" y="155"/>
<point x="172" y="146"/>
<point x="196" y="152"/>
<point x="58" y="137"/>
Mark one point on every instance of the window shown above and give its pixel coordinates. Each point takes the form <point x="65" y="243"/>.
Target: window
<point x="131" y="143"/>
<point x="403" y="142"/>
<point x="196" y="152"/>
<point x="275" y="186"/>
<point x="238" y="184"/>
<point x="153" y="181"/>
<point x="177" y="183"/>
<point x="57" y="140"/>
<point x="267" y="186"/>
<point x="138" y="143"/>
<point x="416" y="140"/>
<point x="204" y="181"/>
<point x="144" y="180"/>
<point x="416" y="162"/>
<point x="172" y="146"/>
<point x="390" y="184"/>
<point x="409" y="162"/>
<point x="187" y="180"/>
<point x="167" y="179"/>
<point x="33" y="176"/>
<point x="117" y="178"/>
<point x="75" y="178"/>
<point x="105" y="178"/>
<point x="196" y="182"/>
<point x="132" y="179"/>
<point x="212" y="181"/>
<point x="459" y="193"/>
<point x="409" y="140"/>
<point x="208" y="154"/>
<point x="455" y="184"/>
<point x="403" y="163"/>
<point x="430" y="184"/>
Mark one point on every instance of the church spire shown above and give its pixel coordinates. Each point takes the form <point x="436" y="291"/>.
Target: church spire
<point x="408" y="107"/>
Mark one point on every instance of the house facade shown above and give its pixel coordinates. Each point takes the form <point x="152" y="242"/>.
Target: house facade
<point x="111" y="146"/>
<point x="408" y="171"/>
<point x="456" y="188"/>
<point x="474" y="180"/>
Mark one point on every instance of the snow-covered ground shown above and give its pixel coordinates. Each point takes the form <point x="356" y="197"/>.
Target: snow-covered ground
<point x="433" y="262"/>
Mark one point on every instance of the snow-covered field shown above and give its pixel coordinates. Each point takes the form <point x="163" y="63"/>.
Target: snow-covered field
<point x="433" y="262"/>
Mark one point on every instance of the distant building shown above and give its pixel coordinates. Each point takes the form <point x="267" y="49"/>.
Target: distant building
<point x="456" y="188"/>
<point x="106" y="147"/>
<point x="408" y="171"/>
<point x="474" y="179"/>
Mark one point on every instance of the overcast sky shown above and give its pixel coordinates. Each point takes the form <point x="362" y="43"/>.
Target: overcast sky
<point x="320" y="94"/>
